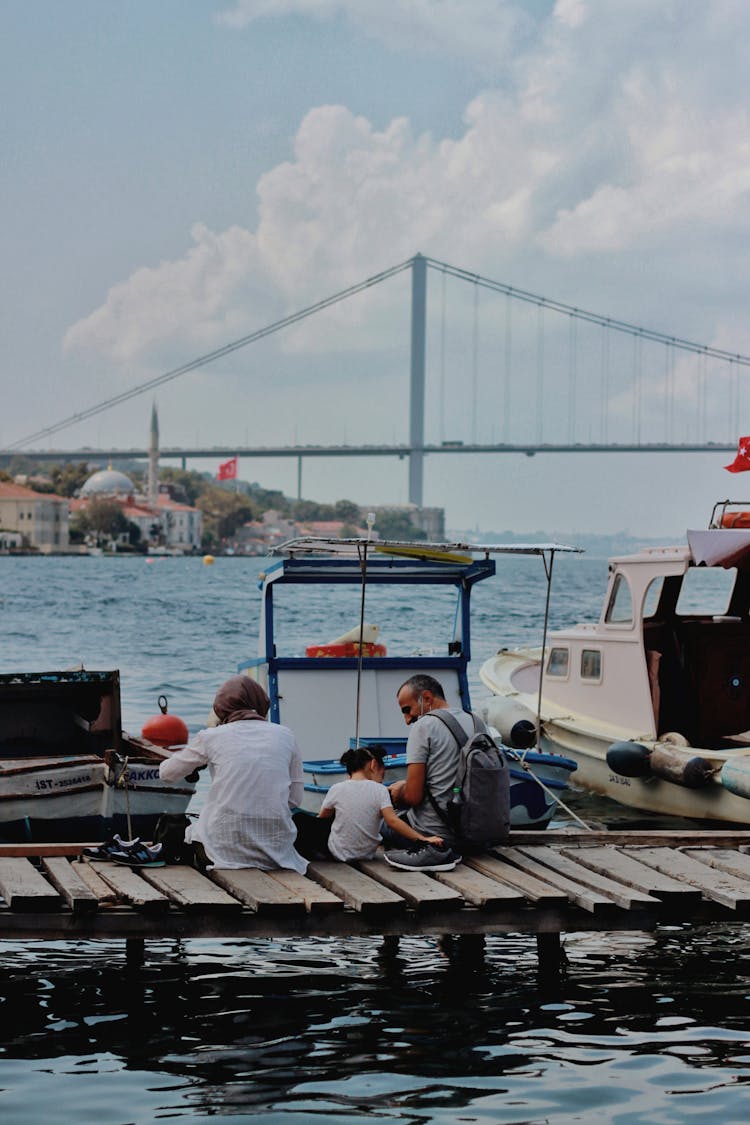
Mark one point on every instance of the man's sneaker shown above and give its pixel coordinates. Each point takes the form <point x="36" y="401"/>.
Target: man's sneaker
<point x="423" y="857"/>
<point x="134" y="853"/>
<point x="105" y="850"/>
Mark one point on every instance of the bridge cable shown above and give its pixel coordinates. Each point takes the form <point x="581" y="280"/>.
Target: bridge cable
<point x="219" y="353"/>
<point x="591" y="317"/>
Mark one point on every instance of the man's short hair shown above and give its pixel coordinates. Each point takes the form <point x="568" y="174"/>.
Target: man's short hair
<point x="421" y="683"/>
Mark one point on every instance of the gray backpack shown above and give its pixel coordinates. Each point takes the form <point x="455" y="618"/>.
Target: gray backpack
<point x="478" y="812"/>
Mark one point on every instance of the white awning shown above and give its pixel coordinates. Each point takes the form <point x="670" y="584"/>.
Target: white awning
<point x="727" y="547"/>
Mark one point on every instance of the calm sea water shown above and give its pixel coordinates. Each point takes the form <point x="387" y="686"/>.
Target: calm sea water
<point x="643" y="1028"/>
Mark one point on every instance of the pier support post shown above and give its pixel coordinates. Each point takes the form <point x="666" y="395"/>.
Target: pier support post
<point x="135" y="952"/>
<point x="549" y="952"/>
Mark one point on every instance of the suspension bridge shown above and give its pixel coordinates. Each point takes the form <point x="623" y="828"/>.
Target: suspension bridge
<point x="551" y="377"/>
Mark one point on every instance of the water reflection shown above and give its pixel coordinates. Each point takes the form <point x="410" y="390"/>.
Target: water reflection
<point x="368" y="1028"/>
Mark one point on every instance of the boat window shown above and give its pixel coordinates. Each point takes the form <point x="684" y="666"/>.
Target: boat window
<point x="557" y="663"/>
<point x="591" y="664"/>
<point x="316" y="616"/>
<point x="620" y="608"/>
<point x="653" y="594"/>
<point x="706" y="590"/>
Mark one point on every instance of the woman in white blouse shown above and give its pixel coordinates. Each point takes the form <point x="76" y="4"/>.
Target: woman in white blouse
<point x="256" y="782"/>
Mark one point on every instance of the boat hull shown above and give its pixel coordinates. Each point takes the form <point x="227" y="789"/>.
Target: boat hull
<point x="45" y="800"/>
<point x="586" y="742"/>
<point x="531" y="806"/>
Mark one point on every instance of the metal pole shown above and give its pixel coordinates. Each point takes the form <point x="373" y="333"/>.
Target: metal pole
<point x="416" y="408"/>
<point x="299" y="478"/>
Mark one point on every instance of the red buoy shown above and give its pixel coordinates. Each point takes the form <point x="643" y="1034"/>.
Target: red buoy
<point x="167" y="731"/>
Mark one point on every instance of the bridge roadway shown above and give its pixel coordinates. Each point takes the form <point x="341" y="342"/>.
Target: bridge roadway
<point x="217" y="452"/>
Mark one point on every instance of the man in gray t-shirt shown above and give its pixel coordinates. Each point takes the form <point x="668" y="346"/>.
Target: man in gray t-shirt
<point x="431" y="754"/>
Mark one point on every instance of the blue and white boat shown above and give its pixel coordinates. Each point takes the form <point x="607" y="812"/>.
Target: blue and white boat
<point x="341" y="690"/>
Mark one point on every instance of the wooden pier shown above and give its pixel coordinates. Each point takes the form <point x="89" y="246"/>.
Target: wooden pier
<point x="541" y="883"/>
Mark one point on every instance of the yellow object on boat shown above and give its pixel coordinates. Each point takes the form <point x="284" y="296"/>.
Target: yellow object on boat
<point x="431" y="554"/>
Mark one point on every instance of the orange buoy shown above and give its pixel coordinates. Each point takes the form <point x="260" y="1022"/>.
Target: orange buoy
<point x="165" y="730"/>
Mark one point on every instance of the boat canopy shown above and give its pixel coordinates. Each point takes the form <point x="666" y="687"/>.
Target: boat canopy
<point x="727" y="547"/>
<point x="451" y="552"/>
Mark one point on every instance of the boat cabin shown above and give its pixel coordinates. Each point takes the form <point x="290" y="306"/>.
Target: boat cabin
<point x="670" y="654"/>
<point x="337" y="640"/>
<point x="59" y="713"/>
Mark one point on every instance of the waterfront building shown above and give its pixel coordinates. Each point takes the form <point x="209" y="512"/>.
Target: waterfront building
<point x="164" y="522"/>
<point x="40" y="519"/>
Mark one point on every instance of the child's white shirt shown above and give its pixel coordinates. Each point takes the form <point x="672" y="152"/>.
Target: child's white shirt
<point x="355" y="832"/>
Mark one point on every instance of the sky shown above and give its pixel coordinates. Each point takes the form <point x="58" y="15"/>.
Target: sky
<point x="177" y="174"/>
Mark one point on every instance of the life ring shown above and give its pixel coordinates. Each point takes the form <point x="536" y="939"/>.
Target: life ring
<point x="735" y="519"/>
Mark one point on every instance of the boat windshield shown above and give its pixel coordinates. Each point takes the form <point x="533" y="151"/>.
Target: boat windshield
<point x="405" y="617"/>
<point x="706" y="591"/>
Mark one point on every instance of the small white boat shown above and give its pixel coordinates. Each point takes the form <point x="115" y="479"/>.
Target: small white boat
<point x="653" y="700"/>
<point x="341" y="690"/>
<point x="67" y="769"/>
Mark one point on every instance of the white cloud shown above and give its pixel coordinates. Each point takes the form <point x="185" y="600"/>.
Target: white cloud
<point x="195" y="296"/>
<point x="622" y="136"/>
<point x="484" y="34"/>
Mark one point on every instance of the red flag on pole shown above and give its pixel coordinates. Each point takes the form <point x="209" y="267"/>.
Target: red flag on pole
<point x="741" y="462"/>
<point x="228" y="470"/>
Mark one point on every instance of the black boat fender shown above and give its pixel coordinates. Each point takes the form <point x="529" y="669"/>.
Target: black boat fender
<point x="670" y="763"/>
<point x="629" y="759"/>
<point x="513" y="721"/>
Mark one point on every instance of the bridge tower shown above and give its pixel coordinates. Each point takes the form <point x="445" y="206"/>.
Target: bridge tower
<point x="416" y="387"/>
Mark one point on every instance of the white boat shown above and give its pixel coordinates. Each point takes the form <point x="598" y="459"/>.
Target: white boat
<point x="652" y="701"/>
<point x="67" y="769"/>
<point x="341" y="690"/>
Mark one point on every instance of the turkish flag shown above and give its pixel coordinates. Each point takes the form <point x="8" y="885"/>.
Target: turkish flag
<point x="741" y="462"/>
<point x="228" y="471"/>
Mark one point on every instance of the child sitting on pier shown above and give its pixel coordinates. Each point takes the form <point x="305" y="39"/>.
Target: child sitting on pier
<point x="358" y="810"/>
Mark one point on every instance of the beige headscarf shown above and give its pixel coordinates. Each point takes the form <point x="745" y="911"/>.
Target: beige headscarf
<point x="241" y="698"/>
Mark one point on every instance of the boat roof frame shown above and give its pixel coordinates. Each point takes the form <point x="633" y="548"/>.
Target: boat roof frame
<point x="316" y="559"/>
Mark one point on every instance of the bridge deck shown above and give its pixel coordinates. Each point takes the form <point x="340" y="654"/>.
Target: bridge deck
<point x="539" y="883"/>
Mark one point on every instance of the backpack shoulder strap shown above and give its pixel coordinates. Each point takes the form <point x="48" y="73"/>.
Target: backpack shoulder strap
<point x="453" y="725"/>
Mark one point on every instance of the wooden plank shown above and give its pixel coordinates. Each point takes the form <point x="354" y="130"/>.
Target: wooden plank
<point x="590" y="900"/>
<point x="23" y="888"/>
<point x="477" y="889"/>
<point x="419" y="890"/>
<point x="36" y="850"/>
<point x="188" y="889"/>
<point x="65" y="878"/>
<point x="715" y="885"/>
<point x="725" y="859"/>
<point x="358" y="890"/>
<point x="95" y="883"/>
<point x="317" y="899"/>
<point x="567" y="862"/>
<point x="258" y="890"/>
<point x="568" y="837"/>
<point x="128" y="885"/>
<point x="535" y="890"/>
<point x="626" y="868"/>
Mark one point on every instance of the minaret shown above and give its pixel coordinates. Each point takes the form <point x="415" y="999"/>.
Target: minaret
<point x="153" y="460"/>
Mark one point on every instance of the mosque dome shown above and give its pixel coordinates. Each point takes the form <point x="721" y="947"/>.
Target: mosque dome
<point x="108" y="482"/>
